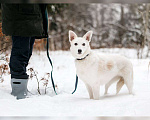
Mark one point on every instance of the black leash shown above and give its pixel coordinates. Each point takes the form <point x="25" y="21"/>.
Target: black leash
<point x="51" y="66"/>
<point x="76" y="84"/>
<point x="47" y="46"/>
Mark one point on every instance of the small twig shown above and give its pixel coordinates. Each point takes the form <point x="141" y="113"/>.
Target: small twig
<point x="38" y="83"/>
<point x="34" y="74"/>
<point x="45" y="79"/>
<point x="3" y="70"/>
<point x="30" y="92"/>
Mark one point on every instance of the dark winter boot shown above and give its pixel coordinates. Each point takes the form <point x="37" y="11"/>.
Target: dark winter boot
<point x="19" y="88"/>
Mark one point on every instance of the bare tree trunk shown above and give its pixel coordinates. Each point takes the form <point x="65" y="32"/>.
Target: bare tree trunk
<point x="98" y="24"/>
<point x="122" y="23"/>
<point x="52" y="44"/>
<point x="62" y="38"/>
<point x="147" y="24"/>
<point x="147" y="55"/>
<point x="145" y="29"/>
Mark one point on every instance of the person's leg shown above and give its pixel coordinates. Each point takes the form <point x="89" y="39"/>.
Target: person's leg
<point x="19" y="57"/>
<point x="18" y="62"/>
<point x="31" y="43"/>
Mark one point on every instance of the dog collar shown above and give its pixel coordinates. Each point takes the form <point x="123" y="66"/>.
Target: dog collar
<point x="82" y="58"/>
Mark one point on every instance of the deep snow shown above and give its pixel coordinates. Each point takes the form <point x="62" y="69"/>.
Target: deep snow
<point x="78" y="104"/>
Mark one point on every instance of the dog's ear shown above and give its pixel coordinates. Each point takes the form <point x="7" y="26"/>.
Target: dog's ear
<point x="72" y="35"/>
<point x="88" y="35"/>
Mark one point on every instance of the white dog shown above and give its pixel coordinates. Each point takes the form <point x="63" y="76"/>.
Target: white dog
<point x="95" y="69"/>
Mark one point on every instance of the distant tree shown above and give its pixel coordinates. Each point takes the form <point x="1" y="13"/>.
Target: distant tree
<point x="0" y="13"/>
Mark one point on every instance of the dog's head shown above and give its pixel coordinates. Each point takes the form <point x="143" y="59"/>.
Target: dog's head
<point x="80" y="45"/>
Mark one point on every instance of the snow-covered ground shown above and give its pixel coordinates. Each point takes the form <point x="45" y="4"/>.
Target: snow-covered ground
<point x="78" y="104"/>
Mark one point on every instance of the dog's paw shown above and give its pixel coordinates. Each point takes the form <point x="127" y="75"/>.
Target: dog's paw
<point x="105" y="93"/>
<point x="132" y="93"/>
<point x="91" y="98"/>
<point x="96" y="98"/>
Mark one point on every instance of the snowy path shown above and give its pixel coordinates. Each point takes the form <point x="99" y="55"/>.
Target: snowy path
<point x="79" y="104"/>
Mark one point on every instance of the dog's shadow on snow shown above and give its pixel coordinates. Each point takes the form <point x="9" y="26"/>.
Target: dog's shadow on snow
<point x="113" y="96"/>
<point x="105" y="97"/>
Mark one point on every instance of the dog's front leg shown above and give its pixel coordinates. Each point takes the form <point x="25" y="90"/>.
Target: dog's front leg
<point x="88" y="87"/>
<point x="96" y="92"/>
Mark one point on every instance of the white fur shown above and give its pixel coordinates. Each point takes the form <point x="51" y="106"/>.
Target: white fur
<point x="97" y="69"/>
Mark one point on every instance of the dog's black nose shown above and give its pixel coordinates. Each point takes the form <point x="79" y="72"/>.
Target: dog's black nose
<point x="79" y="51"/>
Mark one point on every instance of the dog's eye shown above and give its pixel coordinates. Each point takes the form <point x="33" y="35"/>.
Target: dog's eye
<point x="83" y="44"/>
<point x="76" y="44"/>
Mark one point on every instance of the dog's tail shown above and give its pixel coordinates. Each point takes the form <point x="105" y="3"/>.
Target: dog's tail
<point x="119" y="85"/>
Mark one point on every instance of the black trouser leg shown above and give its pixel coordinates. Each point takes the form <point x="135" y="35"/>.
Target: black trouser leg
<point x="20" y="55"/>
<point x="31" y="46"/>
<point x="32" y="40"/>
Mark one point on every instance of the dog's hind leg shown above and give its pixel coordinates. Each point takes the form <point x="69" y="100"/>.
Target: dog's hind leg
<point x="129" y="84"/>
<point x="110" y="82"/>
<point x="128" y="80"/>
<point x="120" y="83"/>
<point x="89" y="90"/>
